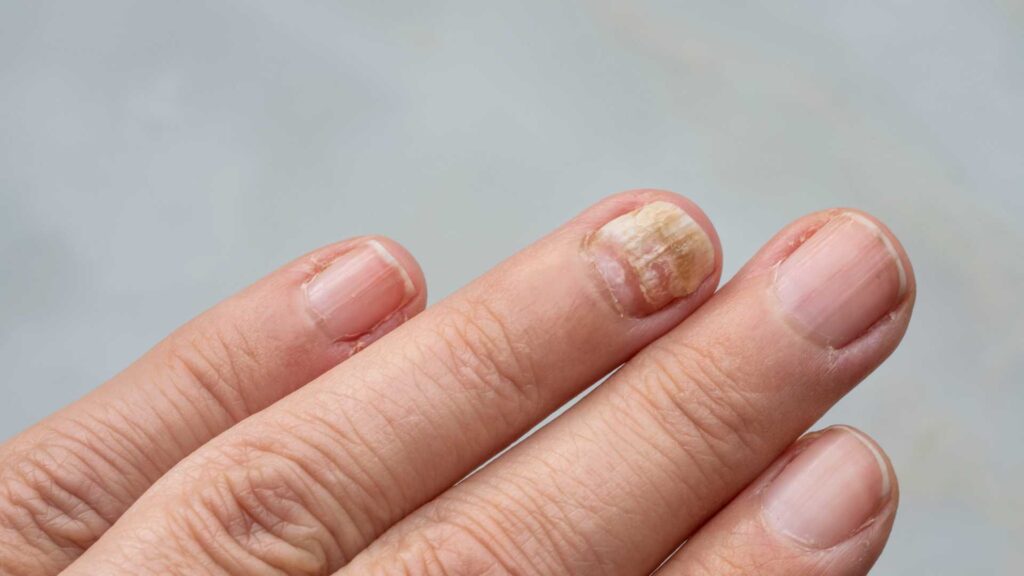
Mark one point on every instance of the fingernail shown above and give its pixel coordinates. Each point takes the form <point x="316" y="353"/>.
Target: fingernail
<point x="359" y="290"/>
<point x="842" y="280"/>
<point x="651" y="256"/>
<point x="829" y="491"/>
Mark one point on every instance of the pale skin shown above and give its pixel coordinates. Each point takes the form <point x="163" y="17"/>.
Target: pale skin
<point x="322" y="422"/>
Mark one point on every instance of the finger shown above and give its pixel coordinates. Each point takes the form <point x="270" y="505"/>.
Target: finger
<point x="620" y="480"/>
<point x="305" y="485"/>
<point x="65" y="481"/>
<point x="824" y="509"/>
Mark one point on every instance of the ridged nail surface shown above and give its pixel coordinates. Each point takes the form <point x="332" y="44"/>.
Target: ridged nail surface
<point x="359" y="290"/>
<point x="842" y="280"/>
<point x="651" y="256"/>
<point x="829" y="491"/>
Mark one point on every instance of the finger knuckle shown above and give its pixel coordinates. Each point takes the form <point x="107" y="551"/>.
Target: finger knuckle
<point x="487" y="357"/>
<point x="461" y="546"/>
<point x="701" y="397"/>
<point x="450" y="551"/>
<point x="515" y="527"/>
<point x="57" y="495"/>
<point x="262" y="510"/>
<point x="219" y="358"/>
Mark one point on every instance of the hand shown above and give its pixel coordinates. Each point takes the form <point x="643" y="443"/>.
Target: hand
<point x="254" y="440"/>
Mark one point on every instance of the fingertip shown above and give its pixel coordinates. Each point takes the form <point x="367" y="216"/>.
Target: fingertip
<point x="909" y="280"/>
<point x="656" y="251"/>
<point x="864" y="546"/>
<point x="614" y="205"/>
<point x="799" y="231"/>
<point x="890" y="487"/>
<point x="410" y="268"/>
<point x="840" y="279"/>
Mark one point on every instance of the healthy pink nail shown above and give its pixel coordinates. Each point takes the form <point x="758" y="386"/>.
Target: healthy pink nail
<point x="359" y="290"/>
<point x="829" y="491"/>
<point x="842" y="280"/>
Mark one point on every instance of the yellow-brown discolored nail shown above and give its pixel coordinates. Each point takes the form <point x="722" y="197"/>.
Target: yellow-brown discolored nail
<point x="651" y="256"/>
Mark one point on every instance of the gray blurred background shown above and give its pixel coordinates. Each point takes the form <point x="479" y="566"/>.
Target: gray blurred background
<point x="157" y="156"/>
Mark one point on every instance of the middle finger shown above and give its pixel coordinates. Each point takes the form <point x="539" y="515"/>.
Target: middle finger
<point x="619" y="481"/>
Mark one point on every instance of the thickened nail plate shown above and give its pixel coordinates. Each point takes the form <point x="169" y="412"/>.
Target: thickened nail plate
<point x="359" y="290"/>
<point x="829" y="491"/>
<point x="651" y="256"/>
<point x="842" y="280"/>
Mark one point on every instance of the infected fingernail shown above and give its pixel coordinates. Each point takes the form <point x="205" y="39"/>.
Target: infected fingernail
<point x="651" y="256"/>
<point x="359" y="290"/>
<point x="830" y="491"/>
<point x="842" y="280"/>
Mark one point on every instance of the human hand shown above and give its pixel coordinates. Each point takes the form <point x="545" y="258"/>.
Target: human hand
<point x="254" y="440"/>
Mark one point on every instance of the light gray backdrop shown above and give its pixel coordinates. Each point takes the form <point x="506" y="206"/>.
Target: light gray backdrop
<point x="157" y="156"/>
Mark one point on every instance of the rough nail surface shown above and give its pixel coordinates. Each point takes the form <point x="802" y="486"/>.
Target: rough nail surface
<point x="829" y="491"/>
<point x="358" y="291"/>
<point x="842" y="280"/>
<point x="651" y="256"/>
